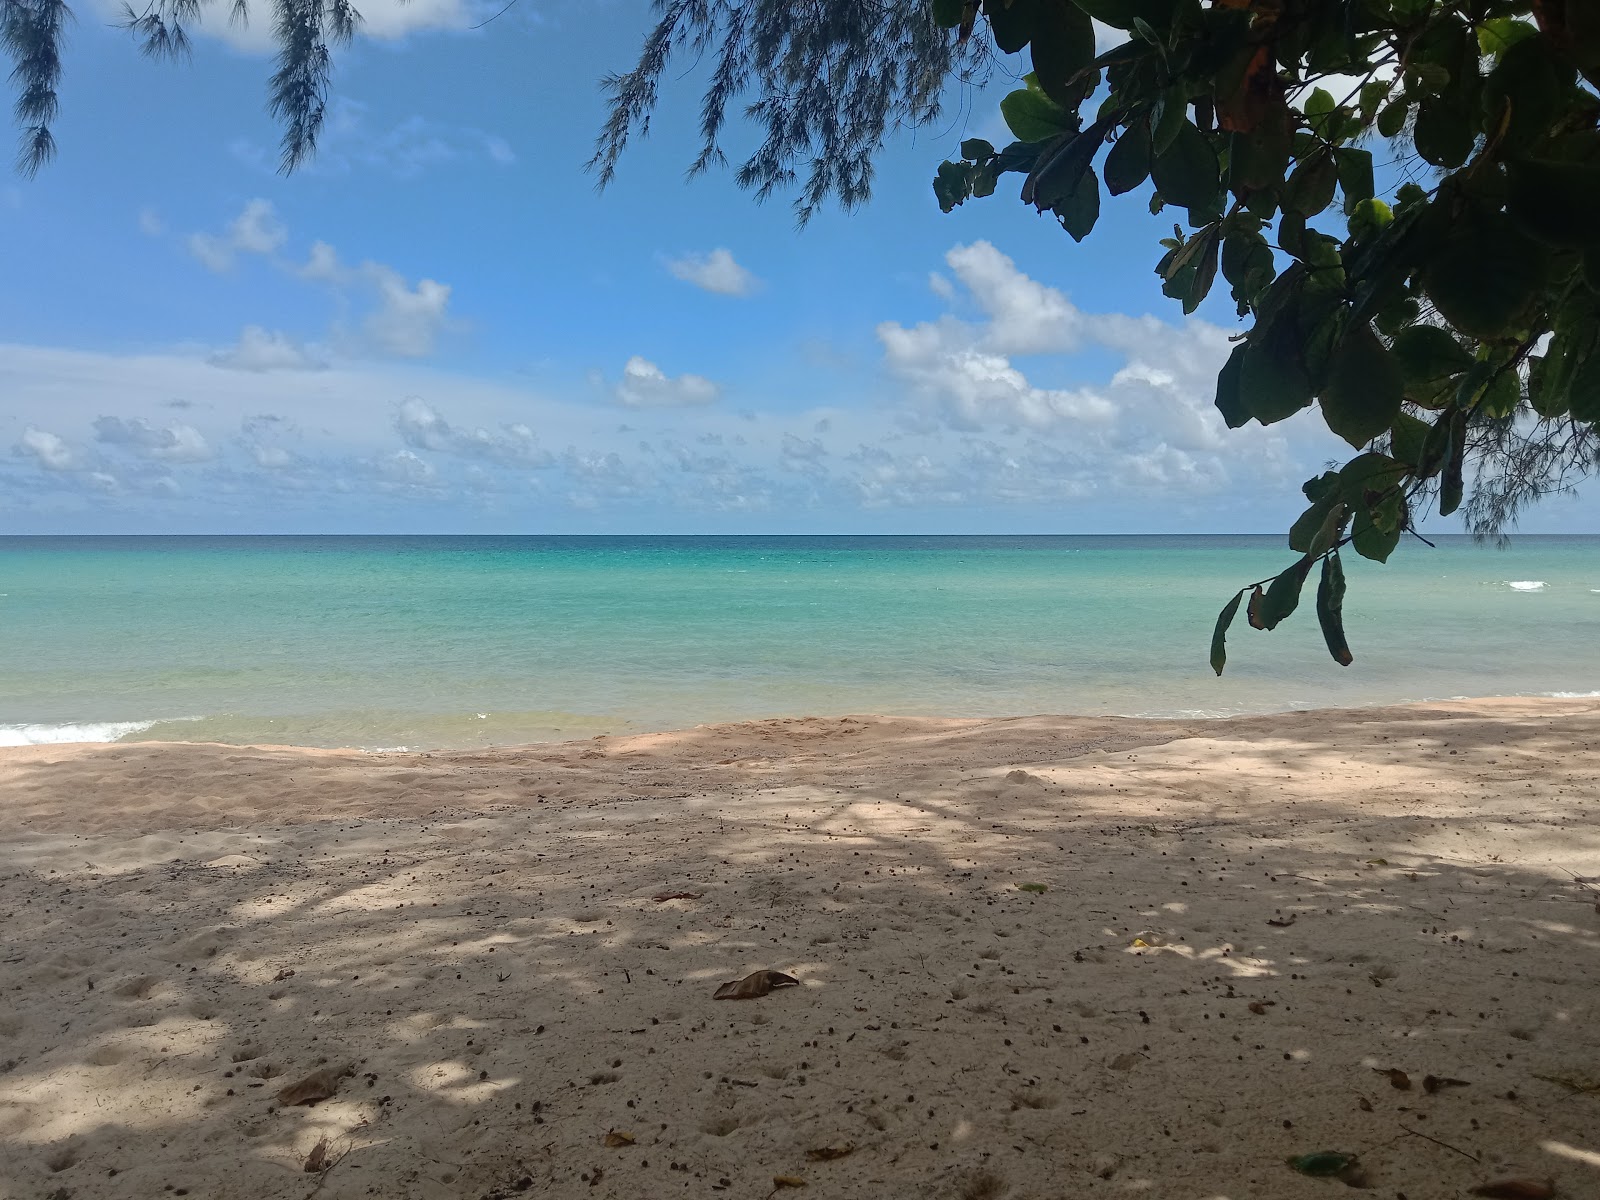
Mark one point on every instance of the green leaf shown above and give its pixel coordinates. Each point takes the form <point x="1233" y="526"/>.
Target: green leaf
<point x="1392" y="117"/>
<point x="1354" y="170"/>
<point x="1484" y="275"/>
<point x="1081" y="208"/>
<point x="1428" y="354"/>
<point x="1283" y="593"/>
<point x="1409" y="439"/>
<point x="1167" y="118"/>
<point x="1370" y="540"/>
<point x="1306" y="526"/>
<point x="1063" y="50"/>
<point x="1373" y="94"/>
<point x="1128" y="163"/>
<point x="1451" y="487"/>
<point x="947" y="14"/>
<point x="1219" y="635"/>
<point x="1273" y="384"/>
<point x="1499" y="34"/>
<point x="1370" y="218"/>
<point x="1444" y="135"/>
<point x="952" y="184"/>
<point x="1525" y="94"/>
<point x="1059" y="174"/>
<point x="1121" y="14"/>
<point x="1583" y="394"/>
<point x="1034" y="117"/>
<point x="1330" y="611"/>
<point x="1556" y="202"/>
<point x="1187" y="173"/>
<point x="1258" y="159"/>
<point x="1310" y="188"/>
<point x="1012" y="22"/>
<point x="1317" y="108"/>
<point x="1367" y="477"/>
<point x="1230" y="402"/>
<point x="975" y="149"/>
<point x="1364" y="389"/>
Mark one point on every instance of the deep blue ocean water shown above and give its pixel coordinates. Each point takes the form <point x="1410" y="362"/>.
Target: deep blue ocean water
<point x="453" y="641"/>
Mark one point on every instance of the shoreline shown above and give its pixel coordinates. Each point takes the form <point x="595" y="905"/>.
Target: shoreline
<point x="128" y="730"/>
<point x="1243" y="922"/>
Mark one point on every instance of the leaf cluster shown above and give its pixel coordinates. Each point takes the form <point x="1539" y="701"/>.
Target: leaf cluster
<point x="1452" y="313"/>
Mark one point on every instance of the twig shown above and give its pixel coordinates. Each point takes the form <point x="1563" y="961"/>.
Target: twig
<point x="1437" y="1142"/>
<point x="508" y="6"/>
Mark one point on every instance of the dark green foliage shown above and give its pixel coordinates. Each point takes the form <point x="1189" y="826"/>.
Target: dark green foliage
<point x="1455" y="323"/>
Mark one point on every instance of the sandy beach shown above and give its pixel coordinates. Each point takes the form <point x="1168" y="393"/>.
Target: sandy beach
<point x="1036" y="958"/>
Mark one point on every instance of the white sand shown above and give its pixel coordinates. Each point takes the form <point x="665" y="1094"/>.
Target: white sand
<point x="189" y="928"/>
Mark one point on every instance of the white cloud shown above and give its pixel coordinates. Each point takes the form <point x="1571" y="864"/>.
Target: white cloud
<point x="714" y="272"/>
<point x="150" y="223"/>
<point x="408" y="319"/>
<point x="1026" y="317"/>
<point x="171" y="443"/>
<point x="260" y="349"/>
<point x="382" y="20"/>
<point x="421" y="427"/>
<point x="51" y="451"/>
<point x="256" y="230"/>
<point x="645" y="385"/>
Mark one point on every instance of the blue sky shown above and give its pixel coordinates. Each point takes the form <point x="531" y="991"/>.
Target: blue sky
<point x="440" y="326"/>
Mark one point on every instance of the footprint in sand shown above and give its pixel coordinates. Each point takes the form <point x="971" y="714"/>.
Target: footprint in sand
<point x="200" y="946"/>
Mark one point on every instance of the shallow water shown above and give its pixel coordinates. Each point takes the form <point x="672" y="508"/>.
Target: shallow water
<point x="458" y="641"/>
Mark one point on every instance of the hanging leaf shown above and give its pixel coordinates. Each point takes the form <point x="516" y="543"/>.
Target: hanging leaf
<point x="1364" y="389"/>
<point x="1219" y="635"/>
<point x="1443" y="134"/>
<point x="1555" y="201"/>
<point x="1484" y="274"/>
<point x="1187" y="172"/>
<point x="1310" y="188"/>
<point x="1062" y="50"/>
<point x="1012" y="22"/>
<point x="1451" y="486"/>
<point x="1354" y="170"/>
<point x="1283" y="593"/>
<point x="1330" y="610"/>
<point x="1128" y="163"/>
<point x="1034" y="117"/>
<point x="1081" y="209"/>
<point x="1253" y="609"/>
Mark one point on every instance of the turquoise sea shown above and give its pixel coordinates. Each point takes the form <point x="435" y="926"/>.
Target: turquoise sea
<point x="464" y="641"/>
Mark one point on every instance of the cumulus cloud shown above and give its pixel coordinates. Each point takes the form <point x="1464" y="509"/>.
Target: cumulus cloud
<point x="421" y="427"/>
<point x="170" y="443"/>
<point x="645" y="385"/>
<point x="47" y="449"/>
<point x="256" y="230"/>
<point x="260" y="349"/>
<point x="400" y="319"/>
<point x="381" y="20"/>
<point x="716" y="272"/>
<point x="408" y="320"/>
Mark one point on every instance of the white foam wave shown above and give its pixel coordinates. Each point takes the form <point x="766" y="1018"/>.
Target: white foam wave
<point x="1526" y="585"/>
<point x="52" y="735"/>
<point x="1573" y="695"/>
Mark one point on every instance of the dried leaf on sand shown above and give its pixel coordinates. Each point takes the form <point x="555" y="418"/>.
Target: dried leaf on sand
<point x="615" y="1139"/>
<point x="317" y="1160"/>
<point x="754" y="985"/>
<point x="318" y="1085"/>
<point x="1398" y="1079"/>
<point x="829" y="1153"/>
<point x="663" y="897"/>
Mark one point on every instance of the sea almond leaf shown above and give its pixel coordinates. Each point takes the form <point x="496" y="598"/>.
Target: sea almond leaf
<point x="829" y="1153"/>
<point x="1398" y="1079"/>
<point x="754" y="985"/>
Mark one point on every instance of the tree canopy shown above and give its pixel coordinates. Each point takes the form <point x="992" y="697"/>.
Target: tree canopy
<point x="1402" y="198"/>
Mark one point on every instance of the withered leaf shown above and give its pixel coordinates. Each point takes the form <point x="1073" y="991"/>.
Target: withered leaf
<point x="1364" y="1104"/>
<point x="1433" y="1083"/>
<point x="1517" y="1189"/>
<point x="318" y="1085"/>
<point x="829" y="1153"/>
<point x="754" y="985"/>
<point x="1258" y="1008"/>
<point x="787" y="1181"/>
<point x="1282" y="922"/>
<point x="317" y="1160"/>
<point x="1397" y="1078"/>
<point x="663" y="897"/>
<point x="615" y="1138"/>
